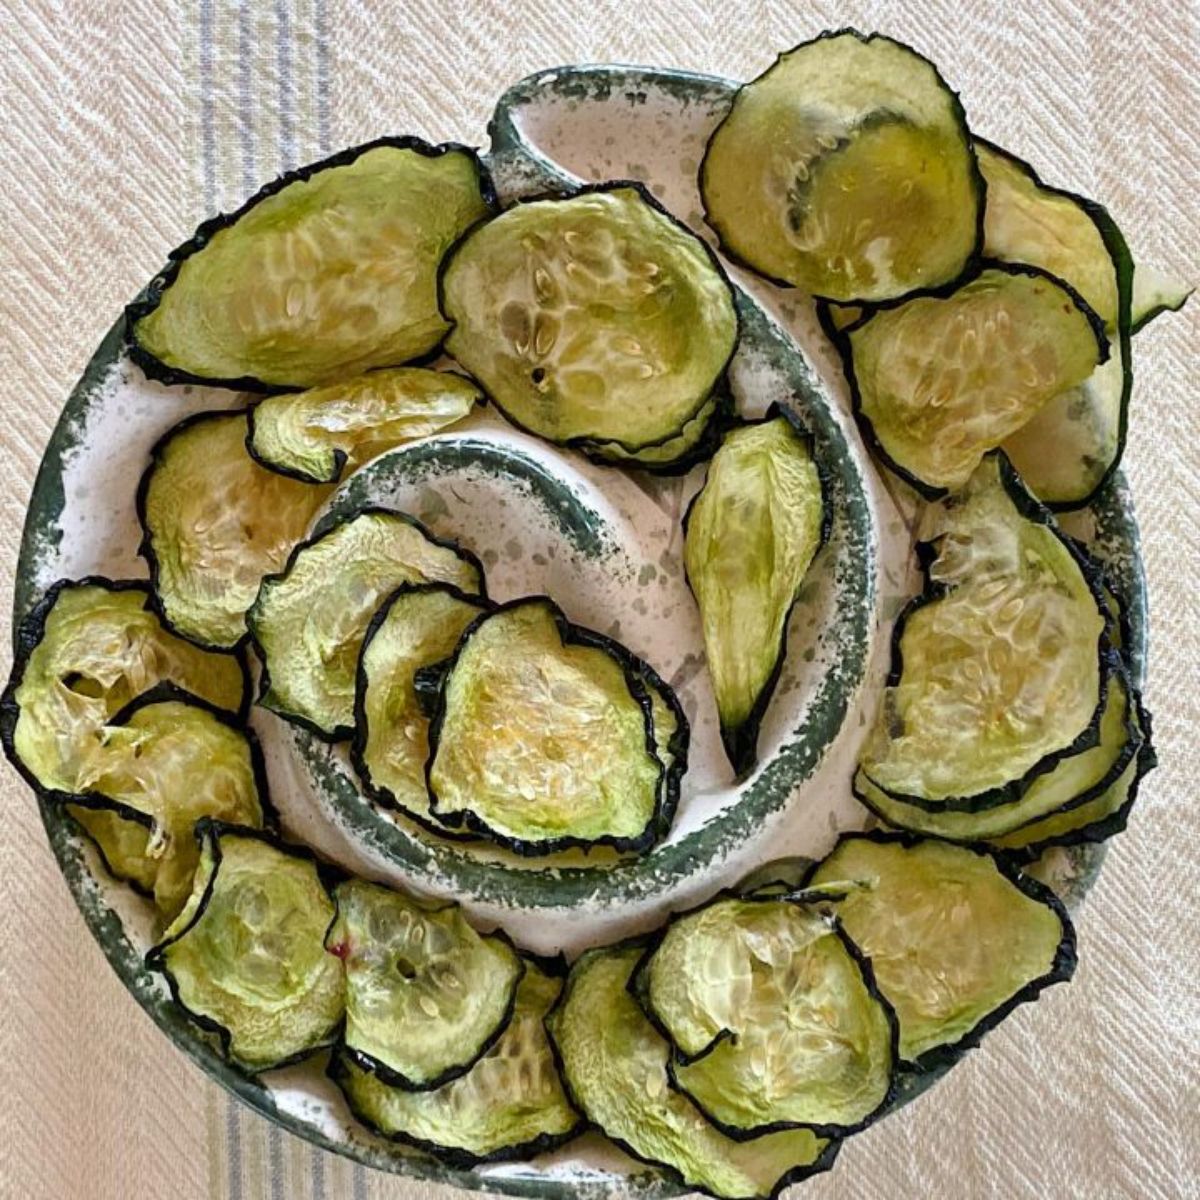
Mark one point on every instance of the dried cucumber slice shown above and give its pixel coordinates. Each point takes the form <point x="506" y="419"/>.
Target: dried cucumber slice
<point x="775" y="1017"/>
<point x="1075" y="781"/>
<point x="614" y="1064"/>
<point x="325" y="273"/>
<point x="246" y="958"/>
<point x="751" y="534"/>
<point x="1156" y="292"/>
<point x="167" y="760"/>
<point x="309" y="620"/>
<point x="419" y="625"/>
<point x="1093" y="817"/>
<point x="998" y="669"/>
<point x="315" y="435"/>
<point x="543" y="737"/>
<point x="957" y="939"/>
<point x="214" y="523"/>
<point x="82" y="654"/>
<point x="122" y="844"/>
<point x="595" y="318"/>
<point x="846" y="170"/>
<point x="1067" y="450"/>
<point x="697" y="441"/>
<point x="940" y="380"/>
<point x="509" y="1105"/>
<point x="426" y="996"/>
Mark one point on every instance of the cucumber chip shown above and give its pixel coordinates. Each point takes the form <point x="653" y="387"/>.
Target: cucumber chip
<point x="417" y="626"/>
<point x="87" y="649"/>
<point x="1156" y="292"/>
<point x="750" y="537"/>
<point x="846" y="170"/>
<point x="167" y="760"/>
<point x="214" y="524"/>
<point x="940" y="380"/>
<point x="316" y="435"/>
<point x="426" y="996"/>
<point x="998" y="669"/>
<point x="327" y="272"/>
<point x="594" y="318"/>
<point x="956" y="939"/>
<point x="510" y="1104"/>
<point x="614" y="1064"/>
<point x="774" y="1016"/>
<point x="246" y="957"/>
<point x="309" y="620"/>
<point x="543" y="737"/>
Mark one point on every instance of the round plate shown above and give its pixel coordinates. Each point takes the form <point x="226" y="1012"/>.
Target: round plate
<point x="607" y="546"/>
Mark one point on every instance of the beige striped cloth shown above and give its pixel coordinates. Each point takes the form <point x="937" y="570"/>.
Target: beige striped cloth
<point x="126" y="121"/>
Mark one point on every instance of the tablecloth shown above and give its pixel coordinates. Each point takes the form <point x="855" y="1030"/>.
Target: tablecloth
<point x="125" y="122"/>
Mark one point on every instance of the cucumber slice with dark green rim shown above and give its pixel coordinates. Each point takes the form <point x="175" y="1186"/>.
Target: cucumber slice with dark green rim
<point x="998" y="670"/>
<point x="847" y="170"/>
<point x="543" y="736"/>
<point x="956" y="938"/>
<point x="87" y="649"/>
<point x="326" y="272"/>
<point x="246" y="958"/>
<point x="672" y="736"/>
<point x="1156" y="292"/>
<point x="309" y="621"/>
<point x="1068" y="450"/>
<point x="774" y="1016"/>
<point x="509" y="1105"/>
<point x="751" y="534"/>
<point x="313" y="436"/>
<point x="1075" y="781"/>
<point x="699" y="440"/>
<point x="591" y="318"/>
<point x="417" y="626"/>
<point x="167" y="760"/>
<point x="1095" y="819"/>
<point x="122" y="843"/>
<point x="942" y="379"/>
<point x="426" y="996"/>
<point x="214" y="524"/>
<point x="614" y="1065"/>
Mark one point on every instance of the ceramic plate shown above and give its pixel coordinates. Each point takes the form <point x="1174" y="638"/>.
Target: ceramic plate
<point x="607" y="546"/>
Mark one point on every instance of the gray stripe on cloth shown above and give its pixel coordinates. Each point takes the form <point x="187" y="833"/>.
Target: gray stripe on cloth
<point x="318" y="1172"/>
<point x="245" y="105"/>
<point x="360" y="1182"/>
<point x="233" y="1135"/>
<point x="322" y="27"/>
<point x="208" y="134"/>
<point x="287" y="86"/>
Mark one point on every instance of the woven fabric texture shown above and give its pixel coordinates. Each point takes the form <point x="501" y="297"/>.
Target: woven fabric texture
<point x="125" y="122"/>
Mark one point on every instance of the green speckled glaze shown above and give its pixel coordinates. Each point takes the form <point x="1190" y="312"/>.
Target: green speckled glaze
<point x="589" y="111"/>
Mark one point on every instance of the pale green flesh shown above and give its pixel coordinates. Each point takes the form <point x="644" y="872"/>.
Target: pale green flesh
<point x="327" y="278"/>
<point x="122" y="842"/>
<point x="668" y="452"/>
<point x="810" y="1044"/>
<point x="752" y="534"/>
<point x="255" y="960"/>
<point x="615" y="1065"/>
<point x="943" y="380"/>
<point x="1076" y="820"/>
<point x="542" y="740"/>
<point x="1026" y="223"/>
<point x="845" y="170"/>
<point x="1001" y="670"/>
<point x="949" y="937"/>
<point x="665" y="727"/>
<point x="1156" y="292"/>
<point x="512" y="1096"/>
<point x="100" y="649"/>
<point x="302" y="432"/>
<point x="594" y="317"/>
<point x="310" y="621"/>
<point x="1065" y="450"/>
<point x="217" y="523"/>
<point x="1071" y="777"/>
<point x="425" y="993"/>
<point x="842" y="315"/>
<point x="175" y="763"/>
<point x="421" y="628"/>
